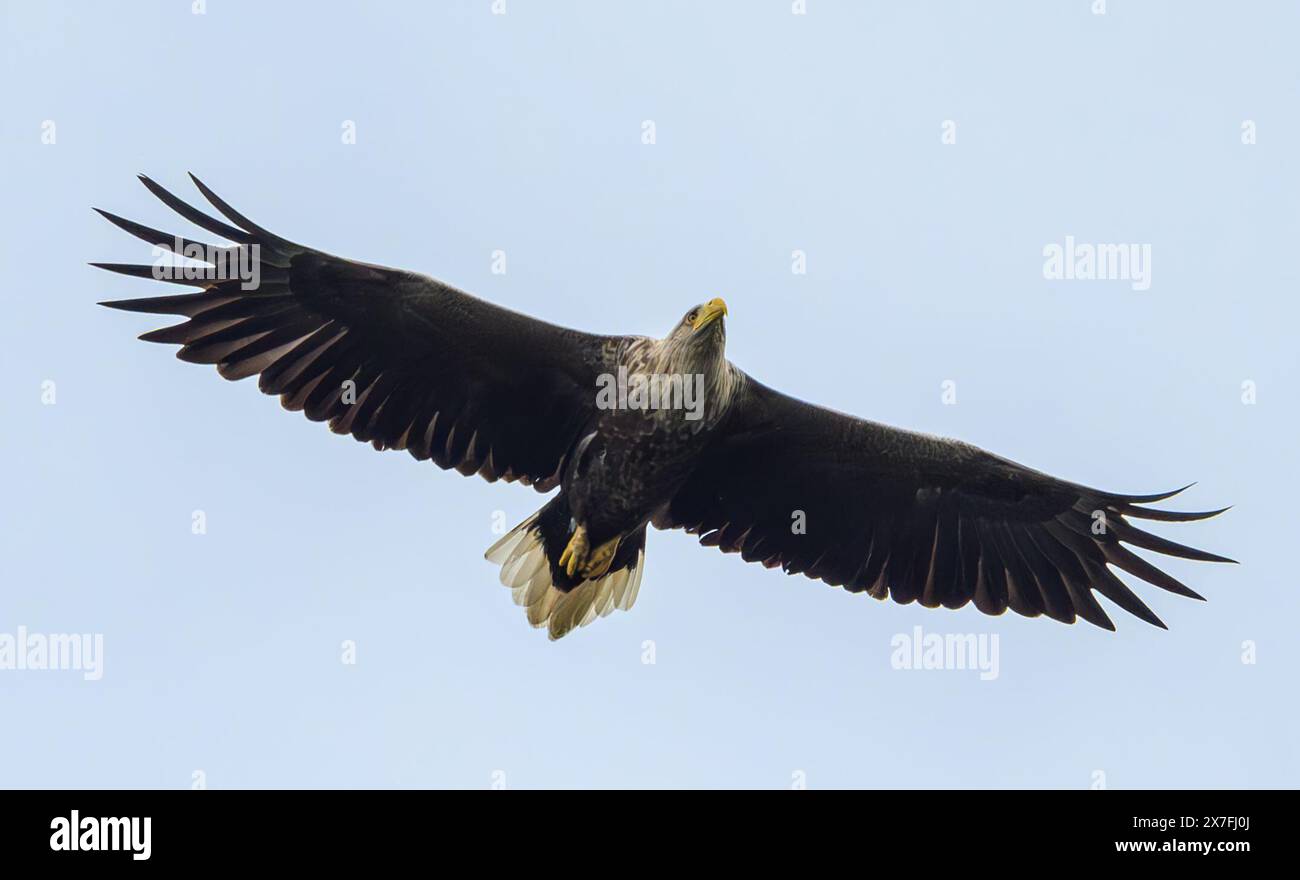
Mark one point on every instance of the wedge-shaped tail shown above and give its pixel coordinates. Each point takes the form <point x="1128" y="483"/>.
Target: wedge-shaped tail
<point x="529" y="556"/>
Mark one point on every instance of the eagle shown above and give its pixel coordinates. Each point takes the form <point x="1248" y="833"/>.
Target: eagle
<point x="637" y="431"/>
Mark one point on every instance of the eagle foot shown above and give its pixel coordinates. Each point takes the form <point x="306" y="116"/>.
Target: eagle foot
<point x="579" y="559"/>
<point x="575" y="552"/>
<point x="599" y="559"/>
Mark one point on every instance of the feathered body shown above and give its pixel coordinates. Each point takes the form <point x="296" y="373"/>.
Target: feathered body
<point x="627" y="466"/>
<point x="635" y="459"/>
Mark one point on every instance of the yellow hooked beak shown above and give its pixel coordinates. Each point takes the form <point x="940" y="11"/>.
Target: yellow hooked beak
<point x="709" y="312"/>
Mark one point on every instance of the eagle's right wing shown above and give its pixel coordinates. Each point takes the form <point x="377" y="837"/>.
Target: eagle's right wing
<point x="388" y="356"/>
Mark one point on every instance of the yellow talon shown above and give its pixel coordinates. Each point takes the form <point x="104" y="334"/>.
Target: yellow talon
<point x="599" y="560"/>
<point x="578" y="558"/>
<point x="575" y="552"/>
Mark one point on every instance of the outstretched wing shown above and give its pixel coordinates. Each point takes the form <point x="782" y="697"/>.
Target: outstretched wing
<point x="388" y="356"/>
<point x="917" y="518"/>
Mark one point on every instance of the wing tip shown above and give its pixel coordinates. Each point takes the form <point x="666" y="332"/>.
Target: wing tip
<point x="119" y="222"/>
<point x="1171" y="515"/>
<point x="1205" y="556"/>
<point x="1158" y="496"/>
<point x="1152" y="618"/>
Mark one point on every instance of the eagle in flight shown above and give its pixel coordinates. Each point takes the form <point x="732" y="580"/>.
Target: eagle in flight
<point x="403" y="361"/>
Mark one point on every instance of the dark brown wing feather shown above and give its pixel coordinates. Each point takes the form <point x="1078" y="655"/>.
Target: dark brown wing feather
<point x="915" y="517"/>
<point x="388" y="356"/>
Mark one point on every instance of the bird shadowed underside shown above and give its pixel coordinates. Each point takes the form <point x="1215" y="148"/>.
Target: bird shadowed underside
<point x="405" y="362"/>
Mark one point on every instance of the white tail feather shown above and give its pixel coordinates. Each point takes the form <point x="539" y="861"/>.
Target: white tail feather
<point x="525" y="570"/>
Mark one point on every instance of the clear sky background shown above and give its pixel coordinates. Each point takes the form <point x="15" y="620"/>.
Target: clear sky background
<point x="774" y="133"/>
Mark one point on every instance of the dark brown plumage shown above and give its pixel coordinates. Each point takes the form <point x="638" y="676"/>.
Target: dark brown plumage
<point x="406" y="362"/>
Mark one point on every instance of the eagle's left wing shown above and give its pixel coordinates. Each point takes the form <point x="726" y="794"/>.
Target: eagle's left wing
<point x="914" y="517"/>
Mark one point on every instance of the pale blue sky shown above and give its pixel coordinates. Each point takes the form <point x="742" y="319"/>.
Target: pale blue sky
<point x="775" y="132"/>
